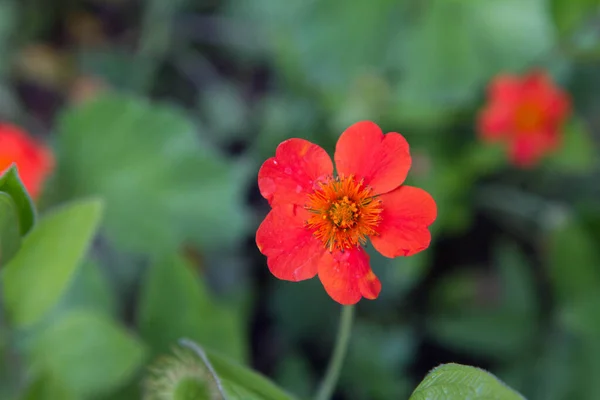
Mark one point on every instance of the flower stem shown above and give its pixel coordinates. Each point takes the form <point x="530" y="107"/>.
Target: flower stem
<point x="337" y="358"/>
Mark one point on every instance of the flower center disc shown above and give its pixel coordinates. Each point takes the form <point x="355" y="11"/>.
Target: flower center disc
<point x="345" y="213"/>
<point x="528" y="117"/>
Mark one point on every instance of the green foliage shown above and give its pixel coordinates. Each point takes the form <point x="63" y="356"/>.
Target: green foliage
<point x="573" y="274"/>
<point x="17" y="215"/>
<point x="497" y="321"/>
<point x="374" y="377"/>
<point x="577" y="152"/>
<point x="171" y="288"/>
<point x="161" y="185"/>
<point x="46" y="387"/>
<point x="10" y="237"/>
<point x="243" y="383"/>
<point x="89" y="290"/>
<point x="35" y="279"/>
<point x="88" y="352"/>
<point x="568" y="14"/>
<point x="455" y="381"/>
<point x="11" y="184"/>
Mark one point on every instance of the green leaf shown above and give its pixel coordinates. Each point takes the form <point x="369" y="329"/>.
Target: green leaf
<point x="162" y="187"/>
<point x="568" y="14"/>
<point x="10" y="237"/>
<point x="438" y="37"/>
<point x="251" y="382"/>
<point x="88" y="352"/>
<point x="90" y="290"/>
<point x="455" y="381"/>
<point x="46" y="387"/>
<point x="573" y="261"/>
<point x="36" y="278"/>
<point x="174" y="304"/>
<point x="11" y="184"/>
<point x="578" y="151"/>
<point x="321" y="56"/>
<point x="457" y="46"/>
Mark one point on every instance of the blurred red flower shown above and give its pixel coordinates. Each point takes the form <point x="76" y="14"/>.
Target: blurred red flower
<point x="34" y="160"/>
<point x="526" y="112"/>
<point x="319" y="220"/>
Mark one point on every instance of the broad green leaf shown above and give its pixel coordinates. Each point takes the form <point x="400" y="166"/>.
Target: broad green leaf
<point x="11" y="184"/>
<point x="89" y="290"/>
<point x="237" y="392"/>
<point x="36" y="278"/>
<point x="342" y="43"/>
<point x="118" y="68"/>
<point x="161" y="185"/>
<point x="461" y="382"/>
<point x="573" y="261"/>
<point x="46" y="387"/>
<point x="578" y="150"/>
<point x="437" y="37"/>
<point x="457" y="46"/>
<point x="89" y="352"/>
<point x="569" y="14"/>
<point x="10" y="237"/>
<point x="510" y="35"/>
<point x="250" y="382"/>
<point x="175" y="304"/>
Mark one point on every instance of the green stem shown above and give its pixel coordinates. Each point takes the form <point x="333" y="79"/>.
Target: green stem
<point x="337" y="358"/>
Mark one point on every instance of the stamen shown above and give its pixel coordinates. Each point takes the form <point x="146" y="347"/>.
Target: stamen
<point x="345" y="213"/>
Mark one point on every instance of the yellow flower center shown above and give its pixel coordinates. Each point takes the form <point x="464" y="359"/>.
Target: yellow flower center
<point x="345" y="213"/>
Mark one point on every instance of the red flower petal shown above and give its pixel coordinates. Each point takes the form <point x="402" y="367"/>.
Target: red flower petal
<point x="34" y="161"/>
<point x="495" y="121"/>
<point x="407" y="214"/>
<point x="293" y="253"/>
<point x="525" y="151"/>
<point x="290" y="175"/>
<point x="365" y="152"/>
<point x="347" y="276"/>
<point x="505" y="89"/>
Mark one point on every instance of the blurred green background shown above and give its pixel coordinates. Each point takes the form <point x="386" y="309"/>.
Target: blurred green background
<point x="166" y="110"/>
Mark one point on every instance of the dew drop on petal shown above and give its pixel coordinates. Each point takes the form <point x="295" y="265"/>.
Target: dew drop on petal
<point x="298" y="188"/>
<point x="288" y="170"/>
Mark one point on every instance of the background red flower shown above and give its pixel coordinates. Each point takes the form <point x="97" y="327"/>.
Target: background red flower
<point x="525" y="112"/>
<point x="34" y="160"/>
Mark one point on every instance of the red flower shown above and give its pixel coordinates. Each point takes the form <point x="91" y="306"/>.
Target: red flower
<point x="34" y="161"/>
<point x="527" y="113"/>
<point x="319" y="221"/>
